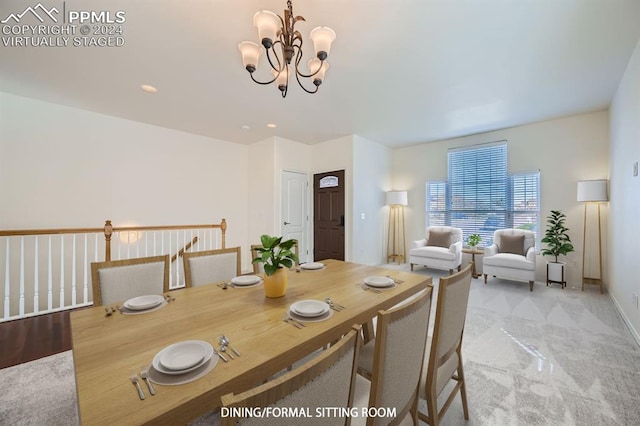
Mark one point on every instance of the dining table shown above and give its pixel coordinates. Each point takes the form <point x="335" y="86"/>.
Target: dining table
<point x="108" y="349"/>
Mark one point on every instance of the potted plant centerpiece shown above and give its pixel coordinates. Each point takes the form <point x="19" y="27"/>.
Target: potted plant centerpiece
<point x="558" y="243"/>
<point x="277" y="257"/>
<point x="473" y="241"/>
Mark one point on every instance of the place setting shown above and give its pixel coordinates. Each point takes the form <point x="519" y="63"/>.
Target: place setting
<point x="311" y="266"/>
<point x="144" y="304"/>
<point x="242" y="281"/>
<point x="306" y="311"/>
<point x="377" y="284"/>
<point x="183" y="362"/>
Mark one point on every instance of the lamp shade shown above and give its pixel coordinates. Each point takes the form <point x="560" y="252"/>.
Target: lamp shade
<point x="397" y="198"/>
<point x="590" y="191"/>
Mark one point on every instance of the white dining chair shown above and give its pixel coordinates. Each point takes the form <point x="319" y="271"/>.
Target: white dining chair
<point x="393" y="362"/>
<point x="119" y="280"/>
<point x="211" y="266"/>
<point x="327" y="380"/>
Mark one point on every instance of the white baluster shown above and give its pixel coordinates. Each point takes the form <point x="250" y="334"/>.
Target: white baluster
<point x="36" y="295"/>
<point x="61" y="270"/>
<point x="21" y="276"/>
<point x="95" y="249"/>
<point x="170" y="262"/>
<point x="7" y="288"/>
<point x="73" y="272"/>
<point x="85" y="273"/>
<point x="128" y="244"/>
<point x="49" y="278"/>
<point x="146" y="245"/>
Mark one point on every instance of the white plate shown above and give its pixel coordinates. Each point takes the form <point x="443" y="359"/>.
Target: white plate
<point x="310" y="308"/>
<point x="246" y="280"/>
<point x="141" y="303"/>
<point x="312" y="265"/>
<point x="183" y="355"/>
<point x="207" y="356"/>
<point x="379" y="282"/>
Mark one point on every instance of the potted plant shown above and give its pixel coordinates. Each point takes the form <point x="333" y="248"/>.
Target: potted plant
<point x="558" y="244"/>
<point x="276" y="256"/>
<point x="473" y="241"/>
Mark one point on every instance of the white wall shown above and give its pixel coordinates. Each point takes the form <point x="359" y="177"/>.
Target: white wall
<point x="371" y="179"/>
<point x="565" y="150"/>
<point x="625" y="194"/>
<point x="64" y="167"/>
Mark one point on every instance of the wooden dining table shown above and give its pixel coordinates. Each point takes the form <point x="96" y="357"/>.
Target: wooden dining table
<point x="108" y="350"/>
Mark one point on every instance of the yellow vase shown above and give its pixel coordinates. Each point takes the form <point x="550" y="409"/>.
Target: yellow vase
<point x="276" y="285"/>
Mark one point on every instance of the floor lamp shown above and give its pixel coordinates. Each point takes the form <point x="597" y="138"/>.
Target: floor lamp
<point x="396" y="200"/>
<point x="592" y="191"/>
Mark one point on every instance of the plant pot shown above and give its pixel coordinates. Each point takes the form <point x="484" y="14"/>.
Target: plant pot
<point x="556" y="273"/>
<point x="276" y="285"/>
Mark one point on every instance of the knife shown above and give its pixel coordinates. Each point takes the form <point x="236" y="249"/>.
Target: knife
<point x="220" y="355"/>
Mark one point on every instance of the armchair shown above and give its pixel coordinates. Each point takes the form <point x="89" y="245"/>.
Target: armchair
<point x="512" y="256"/>
<point x="440" y="249"/>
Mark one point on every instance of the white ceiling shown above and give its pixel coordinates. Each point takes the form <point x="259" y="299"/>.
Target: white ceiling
<point x="402" y="71"/>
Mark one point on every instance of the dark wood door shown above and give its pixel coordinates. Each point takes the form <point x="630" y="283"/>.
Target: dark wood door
<point x="328" y="220"/>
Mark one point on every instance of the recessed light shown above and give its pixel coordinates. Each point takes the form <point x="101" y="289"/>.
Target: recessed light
<point x="246" y="127"/>
<point x="271" y="126"/>
<point x="148" y="88"/>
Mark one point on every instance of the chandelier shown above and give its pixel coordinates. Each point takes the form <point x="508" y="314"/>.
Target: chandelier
<point x="283" y="45"/>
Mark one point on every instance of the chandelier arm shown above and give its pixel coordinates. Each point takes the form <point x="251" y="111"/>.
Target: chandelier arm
<point x="299" y="74"/>
<point x="279" y="68"/>
<point x="262" y="82"/>
<point x="299" y="58"/>
<point x="302" y="86"/>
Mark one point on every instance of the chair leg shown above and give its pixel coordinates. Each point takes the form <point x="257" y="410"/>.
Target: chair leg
<point x="485" y="278"/>
<point x="450" y="271"/>
<point x="459" y="268"/>
<point x="530" y="285"/>
<point x="411" y="266"/>
<point x="432" y="407"/>
<point x="463" y="388"/>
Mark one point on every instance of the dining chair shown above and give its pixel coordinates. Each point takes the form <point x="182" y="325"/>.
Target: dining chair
<point x="119" y="280"/>
<point x="258" y="268"/>
<point x="211" y="266"/>
<point x="393" y="362"/>
<point x="327" y="380"/>
<point x="444" y="362"/>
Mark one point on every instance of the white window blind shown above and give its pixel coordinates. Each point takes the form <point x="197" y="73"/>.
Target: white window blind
<point x="480" y="197"/>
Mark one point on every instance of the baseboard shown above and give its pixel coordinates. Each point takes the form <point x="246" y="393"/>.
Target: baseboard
<point x="632" y="330"/>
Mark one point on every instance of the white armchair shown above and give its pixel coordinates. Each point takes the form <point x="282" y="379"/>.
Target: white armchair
<point x="512" y="256"/>
<point x="440" y="249"/>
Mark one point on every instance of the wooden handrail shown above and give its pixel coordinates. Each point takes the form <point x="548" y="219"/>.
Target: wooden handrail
<point x="183" y="249"/>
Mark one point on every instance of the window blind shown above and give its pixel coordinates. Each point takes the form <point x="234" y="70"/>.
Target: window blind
<point x="480" y="197"/>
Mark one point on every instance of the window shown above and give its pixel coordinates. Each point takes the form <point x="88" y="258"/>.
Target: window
<point x="480" y="197"/>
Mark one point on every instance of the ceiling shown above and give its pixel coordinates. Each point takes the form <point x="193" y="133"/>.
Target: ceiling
<point x="402" y="72"/>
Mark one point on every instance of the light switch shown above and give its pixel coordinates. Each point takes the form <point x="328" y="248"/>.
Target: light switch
<point x="362" y="216"/>
<point x="635" y="169"/>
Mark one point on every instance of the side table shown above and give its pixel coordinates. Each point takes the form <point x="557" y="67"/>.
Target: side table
<point x="473" y="253"/>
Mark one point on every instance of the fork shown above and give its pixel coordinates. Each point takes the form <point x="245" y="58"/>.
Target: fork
<point x="145" y="376"/>
<point x="290" y="320"/>
<point x="136" y="382"/>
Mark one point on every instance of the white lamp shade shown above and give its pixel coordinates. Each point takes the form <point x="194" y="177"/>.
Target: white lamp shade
<point x="322" y="38"/>
<point x="250" y="53"/>
<point x="314" y="64"/>
<point x="267" y="23"/>
<point x="397" y="198"/>
<point x="282" y="78"/>
<point x="591" y="191"/>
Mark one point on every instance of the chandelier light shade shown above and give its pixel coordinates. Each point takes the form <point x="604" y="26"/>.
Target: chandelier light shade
<point x="283" y="46"/>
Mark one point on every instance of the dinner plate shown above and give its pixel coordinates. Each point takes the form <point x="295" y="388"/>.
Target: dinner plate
<point x="183" y="355"/>
<point x="310" y="308"/>
<point x="312" y="265"/>
<point x="157" y="364"/>
<point x="379" y="282"/>
<point x="141" y="303"/>
<point x="246" y="280"/>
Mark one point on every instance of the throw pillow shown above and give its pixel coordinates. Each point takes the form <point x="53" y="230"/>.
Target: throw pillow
<point x="439" y="239"/>
<point x="512" y="244"/>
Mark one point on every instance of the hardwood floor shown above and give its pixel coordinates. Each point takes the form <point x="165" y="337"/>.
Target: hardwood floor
<point x="32" y="338"/>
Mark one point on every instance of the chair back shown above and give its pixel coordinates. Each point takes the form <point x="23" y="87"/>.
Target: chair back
<point x="451" y="312"/>
<point x="119" y="280"/>
<point x="325" y="381"/>
<point x="211" y="266"/>
<point x="456" y="233"/>
<point x="401" y="337"/>
<point x="529" y="237"/>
